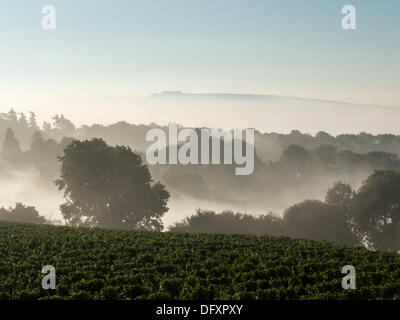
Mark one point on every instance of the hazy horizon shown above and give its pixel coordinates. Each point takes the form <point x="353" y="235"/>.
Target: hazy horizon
<point x="266" y="113"/>
<point x="283" y="48"/>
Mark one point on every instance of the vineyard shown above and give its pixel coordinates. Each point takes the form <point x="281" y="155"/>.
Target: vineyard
<point x="112" y="264"/>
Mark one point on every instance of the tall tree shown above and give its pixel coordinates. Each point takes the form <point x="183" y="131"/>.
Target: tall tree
<point x="11" y="148"/>
<point x="109" y="186"/>
<point x="12" y="116"/>
<point x="62" y="127"/>
<point x="23" y="123"/>
<point x="32" y="121"/>
<point x="376" y="206"/>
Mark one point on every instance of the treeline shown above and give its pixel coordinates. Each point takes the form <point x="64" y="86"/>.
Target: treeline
<point x="298" y="173"/>
<point x="106" y="186"/>
<point x="270" y="146"/>
<point x="21" y="213"/>
<point x="302" y="166"/>
<point x="24" y="126"/>
<point x="26" y="144"/>
<point x="368" y="216"/>
<point x="42" y="153"/>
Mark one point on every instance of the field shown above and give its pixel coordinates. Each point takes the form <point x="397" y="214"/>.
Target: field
<point x="113" y="264"/>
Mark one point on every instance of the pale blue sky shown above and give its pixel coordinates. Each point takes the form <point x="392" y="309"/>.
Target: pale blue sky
<point x="134" y="48"/>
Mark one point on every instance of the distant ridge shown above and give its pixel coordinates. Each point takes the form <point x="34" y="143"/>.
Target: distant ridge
<point x="245" y="97"/>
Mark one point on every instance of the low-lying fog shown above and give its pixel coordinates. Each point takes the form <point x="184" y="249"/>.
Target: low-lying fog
<point x="264" y="113"/>
<point x="30" y="189"/>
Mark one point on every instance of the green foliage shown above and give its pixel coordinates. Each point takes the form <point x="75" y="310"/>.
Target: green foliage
<point x="11" y="148"/>
<point x="317" y="220"/>
<point x="339" y="195"/>
<point x="376" y="207"/>
<point x="109" y="187"/>
<point x="113" y="264"/>
<point x="206" y="221"/>
<point x="368" y="216"/>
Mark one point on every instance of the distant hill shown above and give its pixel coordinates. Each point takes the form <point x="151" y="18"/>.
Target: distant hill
<point x="266" y="113"/>
<point x="238" y="97"/>
<point x="274" y="113"/>
<point x="113" y="264"/>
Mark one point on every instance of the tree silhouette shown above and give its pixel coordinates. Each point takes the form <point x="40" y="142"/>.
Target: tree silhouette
<point x="297" y="158"/>
<point x="205" y="221"/>
<point x="109" y="186"/>
<point x="376" y="207"/>
<point x="21" y="213"/>
<point x="326" y="154"/>
<point x="313" y="219"/>
<point x="11" y="148"/>
<point x="12" y="116"/>
<point x="339" y="195"/>
<point x="32" y="121"/>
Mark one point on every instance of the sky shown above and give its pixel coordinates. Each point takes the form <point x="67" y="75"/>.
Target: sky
<point x="128" y="48"/>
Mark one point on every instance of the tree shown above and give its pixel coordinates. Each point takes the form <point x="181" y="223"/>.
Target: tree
<point x="43" y="154"/>
<point x="313" y="219"/>
<point x="109" y="186"/>
<point x="37" y="140"/>
<point x="32" y="121"/>
<point x="205" y="221"/>
<point x="339" y="195"/>
<point x="21" y="213"/>
<point x="297" y="158"/>
<point x="326" y="154"/>
<point x="62" y="127"/>
<point x="376" y="206"/>
<point x="12" y="116"/>
<point x="23" y="123"/>
<point x="11" y="147"/>
<point x="39" y="152"/>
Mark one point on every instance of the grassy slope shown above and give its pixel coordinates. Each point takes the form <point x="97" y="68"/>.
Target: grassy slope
<point x="112" y="264"/>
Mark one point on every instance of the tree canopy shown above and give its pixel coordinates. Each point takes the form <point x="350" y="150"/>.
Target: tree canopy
<point x="376" y="208"/>
<point x="22" y="213"/>
<point x="11" y="147"/>
<point x="315" y="219"/>
<point x="109" y="186"/>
